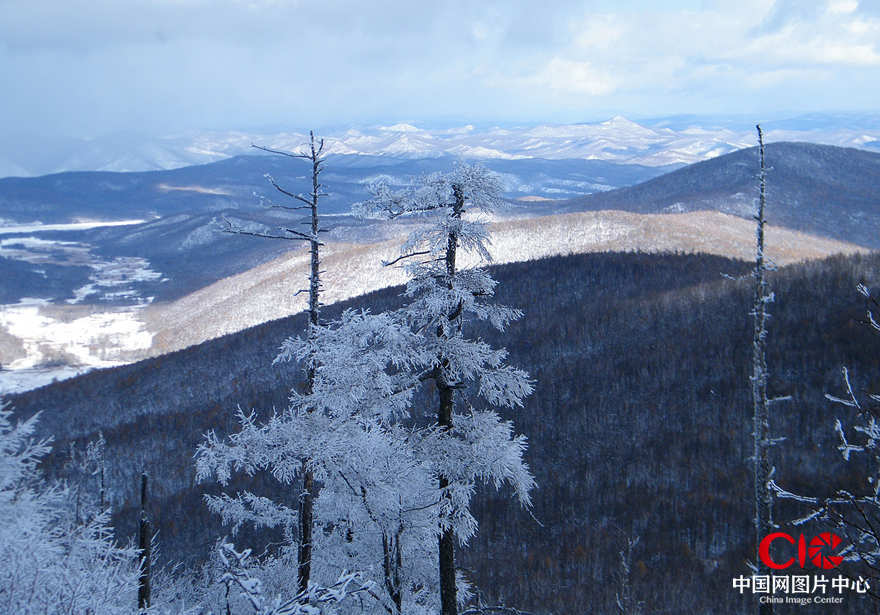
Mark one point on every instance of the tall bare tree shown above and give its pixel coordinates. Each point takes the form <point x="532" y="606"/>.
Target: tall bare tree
<point x="145" y="537"/>
<point x="314" y="154"/>
<point x="761" y="415"/>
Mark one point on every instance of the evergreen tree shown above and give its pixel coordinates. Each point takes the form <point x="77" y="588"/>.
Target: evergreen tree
<point x="468" y="443"/>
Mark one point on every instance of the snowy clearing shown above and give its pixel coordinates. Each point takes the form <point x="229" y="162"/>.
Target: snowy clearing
<point x="36" y="227"/>
<point x="94" y="340"/>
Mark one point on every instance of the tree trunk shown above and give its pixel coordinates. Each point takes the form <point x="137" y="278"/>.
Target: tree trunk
<point x="307" y="498"/>
<point x="763" y="496"/>
<point x="391" y="563"/>
<point x="144" y="542"/>
<point x="446" y="390"/>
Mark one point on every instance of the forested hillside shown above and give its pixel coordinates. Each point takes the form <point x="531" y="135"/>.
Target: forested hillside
<point x="640" y="424"/>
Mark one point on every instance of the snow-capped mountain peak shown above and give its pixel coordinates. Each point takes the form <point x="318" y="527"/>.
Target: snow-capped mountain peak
<point x="617" y="139"/>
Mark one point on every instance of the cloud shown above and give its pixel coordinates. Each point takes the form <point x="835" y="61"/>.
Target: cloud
<point x="842" y="7"/>
<point x="561" y="75"/>
<point x="717" y="53"/>
<point x="87" y="67"/>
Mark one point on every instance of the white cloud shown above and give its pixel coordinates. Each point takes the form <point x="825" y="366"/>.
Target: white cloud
<point x="842" y="7"/>
<point x="578" y="77"/>
<point x="100" y="65"/>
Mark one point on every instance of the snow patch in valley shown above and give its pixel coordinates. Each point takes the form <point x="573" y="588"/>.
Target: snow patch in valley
<point x="36" y="227"/>
<point x="116" y="275"/>
<point x="112" y="278"/>
<point x="21" y="380"/>
<point x="45" y="342"/>
<point x="45" y="251"/>
<point x="56" y="347"/>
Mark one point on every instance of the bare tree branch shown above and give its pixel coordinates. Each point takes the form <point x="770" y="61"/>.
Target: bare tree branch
<point x="405" y="256"/>
<point x="281" y="152"/>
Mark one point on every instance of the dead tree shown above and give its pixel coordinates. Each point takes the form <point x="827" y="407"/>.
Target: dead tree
<point x="761" y="416"/>
<point x="307" y="202"/>
<point x="626" y="602"/>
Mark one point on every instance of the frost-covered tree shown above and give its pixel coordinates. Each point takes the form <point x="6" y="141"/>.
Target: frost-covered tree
<point x="373" y="511"/>
<point x="627" y="603"/>
<point x="469" y="442"/>
<point x="763" y="521"/>
<point x="238" y="577"/>
<point x="86" y="471"/>
<point x="50" y="563"/>
<point x="314" y="154"/>
<point x="396" y="488"/>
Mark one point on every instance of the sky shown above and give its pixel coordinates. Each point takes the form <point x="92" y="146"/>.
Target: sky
<point x="87" y="68"/>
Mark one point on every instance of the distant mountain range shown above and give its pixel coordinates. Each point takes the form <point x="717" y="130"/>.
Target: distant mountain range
<point x="656" y="142"/>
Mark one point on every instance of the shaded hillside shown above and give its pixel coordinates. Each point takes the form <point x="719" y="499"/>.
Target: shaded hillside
<point x="639" y="423"/>
<point x="821" y="189"/>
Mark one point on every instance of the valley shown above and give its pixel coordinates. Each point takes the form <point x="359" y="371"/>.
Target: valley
<point x="173" y="323"/>
<point x="84" y="295"/>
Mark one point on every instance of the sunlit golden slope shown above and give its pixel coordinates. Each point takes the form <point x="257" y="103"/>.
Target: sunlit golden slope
<point x="268" y="291"/>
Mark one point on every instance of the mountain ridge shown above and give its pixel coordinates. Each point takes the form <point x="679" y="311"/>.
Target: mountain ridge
<point x="819" y="189"/>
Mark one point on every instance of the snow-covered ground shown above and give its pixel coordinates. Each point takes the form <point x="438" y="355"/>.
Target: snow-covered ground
<point x="36" y="227"/>
<point x="96" y="340"/>
<point x="112" y="279"/>
<point x="20" y="380"/>
<point x="52" y="342"/>
<point x="56" y="345"/>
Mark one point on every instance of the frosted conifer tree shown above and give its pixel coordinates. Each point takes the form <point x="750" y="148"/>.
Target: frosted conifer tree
<point x="469" y="441"/>
<point x="49" y="563"/>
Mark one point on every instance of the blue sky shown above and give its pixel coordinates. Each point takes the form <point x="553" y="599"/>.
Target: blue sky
<point x="90" y="67"/>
